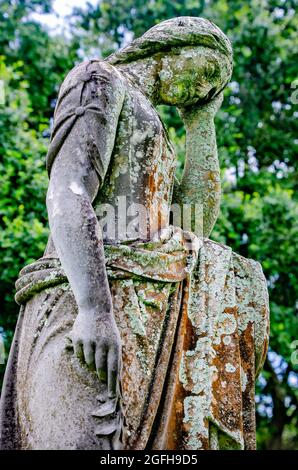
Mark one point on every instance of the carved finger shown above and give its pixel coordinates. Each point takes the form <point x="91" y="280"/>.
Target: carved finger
<point x="89" y="354"/>
<point x="113" y="370"/>
<point x="78" y="349"/>
<point x="101" y="363"/>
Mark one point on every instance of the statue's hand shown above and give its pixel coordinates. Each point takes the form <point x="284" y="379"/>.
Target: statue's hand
<point x="96" y="342"/>
<point x="195" y="112"/>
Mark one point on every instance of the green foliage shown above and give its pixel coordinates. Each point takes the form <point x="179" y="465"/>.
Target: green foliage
<point x="23" y="184"/>
<point x="257" y="139"/>
<point x="46" y="59"/>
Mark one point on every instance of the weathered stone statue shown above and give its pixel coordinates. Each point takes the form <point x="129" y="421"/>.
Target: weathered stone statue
<point x="141" y="334"/>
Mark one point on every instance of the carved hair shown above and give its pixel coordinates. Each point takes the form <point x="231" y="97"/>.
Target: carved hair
<point x="171" y="34"/>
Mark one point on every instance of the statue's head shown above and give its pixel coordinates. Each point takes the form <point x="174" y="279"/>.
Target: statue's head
<point x="194" y="59"/>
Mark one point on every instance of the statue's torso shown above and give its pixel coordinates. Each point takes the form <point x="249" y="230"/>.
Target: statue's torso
<point x="141" y="171"/>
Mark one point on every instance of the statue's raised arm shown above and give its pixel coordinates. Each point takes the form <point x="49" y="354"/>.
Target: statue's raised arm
<point x="200" y="183"/>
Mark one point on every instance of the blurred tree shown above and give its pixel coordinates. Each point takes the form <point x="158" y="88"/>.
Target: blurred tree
<point x="257" y="139"/>
<point x="46" y="58"/>
<point x="23" y="185"/>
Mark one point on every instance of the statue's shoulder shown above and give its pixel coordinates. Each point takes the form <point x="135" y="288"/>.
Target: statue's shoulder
<point x="106" y="75"/>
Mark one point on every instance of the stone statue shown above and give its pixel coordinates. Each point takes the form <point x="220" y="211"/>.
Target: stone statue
<point x="139" y="335"/>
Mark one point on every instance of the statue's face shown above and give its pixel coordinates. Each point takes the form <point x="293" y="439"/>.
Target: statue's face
<point x="192" y="76"/>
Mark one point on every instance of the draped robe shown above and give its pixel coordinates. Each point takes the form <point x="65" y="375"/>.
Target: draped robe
<point x="192" y="315"/>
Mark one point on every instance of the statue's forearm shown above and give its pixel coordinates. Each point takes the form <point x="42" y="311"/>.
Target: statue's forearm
<point x="77" y="237"/>
<point x="200" y="182"/>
